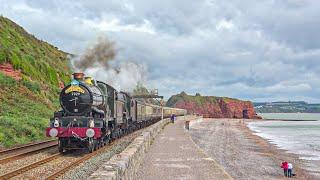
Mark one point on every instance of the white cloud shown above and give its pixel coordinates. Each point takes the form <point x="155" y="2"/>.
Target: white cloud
<point x="22" y="7"/>
<point x="224" y="25"/>
<point x="284" y="87"/>
<point x="114" y="25"/>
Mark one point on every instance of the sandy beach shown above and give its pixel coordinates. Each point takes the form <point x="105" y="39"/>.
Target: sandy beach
<point x="243" y="154"/>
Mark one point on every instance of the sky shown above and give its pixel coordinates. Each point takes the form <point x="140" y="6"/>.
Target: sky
<point x="258" y="50"/>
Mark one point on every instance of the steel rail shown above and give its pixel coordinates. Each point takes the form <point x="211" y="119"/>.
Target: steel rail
<point x="26" y="153"/>
<point x="6" y="151"/>
<point x="79" y="161"/>
<point x="30" y="166"/>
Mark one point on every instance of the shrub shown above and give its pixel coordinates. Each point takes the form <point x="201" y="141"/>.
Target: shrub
<point x="33" y="86"/>
<point x="3" y="55"/>
<point x="15" y="60"/>
<point x="52" y="76"/>
<point x="7" y="81"/>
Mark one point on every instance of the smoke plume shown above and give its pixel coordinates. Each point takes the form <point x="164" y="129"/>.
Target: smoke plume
<point x="99" y="55"/>
<point x="96" y="62"/>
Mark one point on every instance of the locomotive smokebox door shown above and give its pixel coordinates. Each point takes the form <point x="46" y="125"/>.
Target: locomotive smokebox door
<point x="76" y="98"/>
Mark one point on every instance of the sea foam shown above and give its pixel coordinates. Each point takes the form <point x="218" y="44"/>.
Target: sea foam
<point x="297" y="137"/>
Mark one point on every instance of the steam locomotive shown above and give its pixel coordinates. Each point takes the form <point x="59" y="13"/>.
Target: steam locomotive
<point x="94" y="113"/>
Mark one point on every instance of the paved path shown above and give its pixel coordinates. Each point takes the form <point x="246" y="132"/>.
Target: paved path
<point x="173" y="155"/>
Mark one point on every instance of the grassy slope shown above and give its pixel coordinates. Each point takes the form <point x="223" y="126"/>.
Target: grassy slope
<point x="26" y="106"/>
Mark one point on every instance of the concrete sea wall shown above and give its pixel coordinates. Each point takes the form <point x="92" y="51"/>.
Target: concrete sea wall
<point x="125" y="165"/>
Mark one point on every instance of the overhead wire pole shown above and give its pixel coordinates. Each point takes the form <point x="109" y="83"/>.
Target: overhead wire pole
<point x="161" y="112"/>
<point x="161" y="103"/>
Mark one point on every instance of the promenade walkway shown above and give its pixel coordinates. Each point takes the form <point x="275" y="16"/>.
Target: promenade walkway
<point x="173" y="155"/>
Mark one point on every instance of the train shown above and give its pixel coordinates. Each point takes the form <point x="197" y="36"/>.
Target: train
<point x="93" y="113"/>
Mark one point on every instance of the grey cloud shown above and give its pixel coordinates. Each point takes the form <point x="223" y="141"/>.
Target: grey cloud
<point x="257" y="50"/>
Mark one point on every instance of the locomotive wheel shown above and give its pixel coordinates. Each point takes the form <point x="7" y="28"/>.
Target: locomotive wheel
<point x="107" y="140"/>
<point x="119" y="133"/>
<point x="95" y="144"/>
<point x="90" y="145"/>
<point x="99" y="144"/>
<point x="60" y="146"/>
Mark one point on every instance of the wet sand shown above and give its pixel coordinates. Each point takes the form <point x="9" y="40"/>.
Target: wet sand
<point x="242" y="154"/>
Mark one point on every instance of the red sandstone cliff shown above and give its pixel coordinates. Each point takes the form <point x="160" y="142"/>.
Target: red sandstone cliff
<point x="8" y="70"/>
<point x="215" y="107"/>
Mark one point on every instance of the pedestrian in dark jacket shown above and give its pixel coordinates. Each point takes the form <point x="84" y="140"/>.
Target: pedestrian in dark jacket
<point x="173" y="116"/>
<point x="284" y="166"/>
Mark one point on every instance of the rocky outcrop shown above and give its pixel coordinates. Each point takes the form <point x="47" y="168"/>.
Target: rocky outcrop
<point x="213" y="107"/>
<point x="8" y="70"/>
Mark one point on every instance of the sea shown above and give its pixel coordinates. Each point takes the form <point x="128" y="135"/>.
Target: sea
<point x="297" y="133"/>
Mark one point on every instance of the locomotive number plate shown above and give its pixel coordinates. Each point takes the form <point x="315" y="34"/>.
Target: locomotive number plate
<point x="74" y="89"/>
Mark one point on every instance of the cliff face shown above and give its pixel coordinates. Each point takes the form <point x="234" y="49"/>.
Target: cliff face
<point x="8" y="70"/>
<point x="214" y="107"/>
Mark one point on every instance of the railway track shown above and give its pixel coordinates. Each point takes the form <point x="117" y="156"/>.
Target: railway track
<point x="3" y="152"/>
<point x="12" y="154"/>
<point x="77" y="161"/>
<point x="103" y="149"/>
<point x="30" y="166"/>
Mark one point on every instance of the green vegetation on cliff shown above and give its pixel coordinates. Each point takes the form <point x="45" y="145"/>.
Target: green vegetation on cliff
<point x="198" y="99"/>
<point x="27" y="104"/>
<point x="212" y="106"/>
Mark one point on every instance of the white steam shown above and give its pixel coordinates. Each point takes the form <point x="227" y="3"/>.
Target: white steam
<point x="125" y="77"/>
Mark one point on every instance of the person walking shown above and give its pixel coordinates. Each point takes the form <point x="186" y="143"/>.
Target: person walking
<point x="284" y="166"/>
<point x="290" y="167"/>
<point x="172" y="118"/>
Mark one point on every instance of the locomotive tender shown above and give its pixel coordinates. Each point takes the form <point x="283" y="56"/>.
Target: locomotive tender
<point x="93" y="113"/>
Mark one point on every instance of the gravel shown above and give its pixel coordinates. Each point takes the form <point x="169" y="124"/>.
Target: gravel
<point x="84" y="170"/>
<point x="87" y="168"/>
<point x="16" y="164"/>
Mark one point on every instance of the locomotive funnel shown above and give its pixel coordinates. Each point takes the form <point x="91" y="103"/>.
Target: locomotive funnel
<point x="78" y="76"/>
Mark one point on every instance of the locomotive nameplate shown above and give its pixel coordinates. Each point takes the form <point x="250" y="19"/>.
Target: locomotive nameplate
<point x="74" y="89"/>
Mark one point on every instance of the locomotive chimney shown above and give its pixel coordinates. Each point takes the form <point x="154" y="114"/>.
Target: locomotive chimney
<point x="79" y="76"/>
